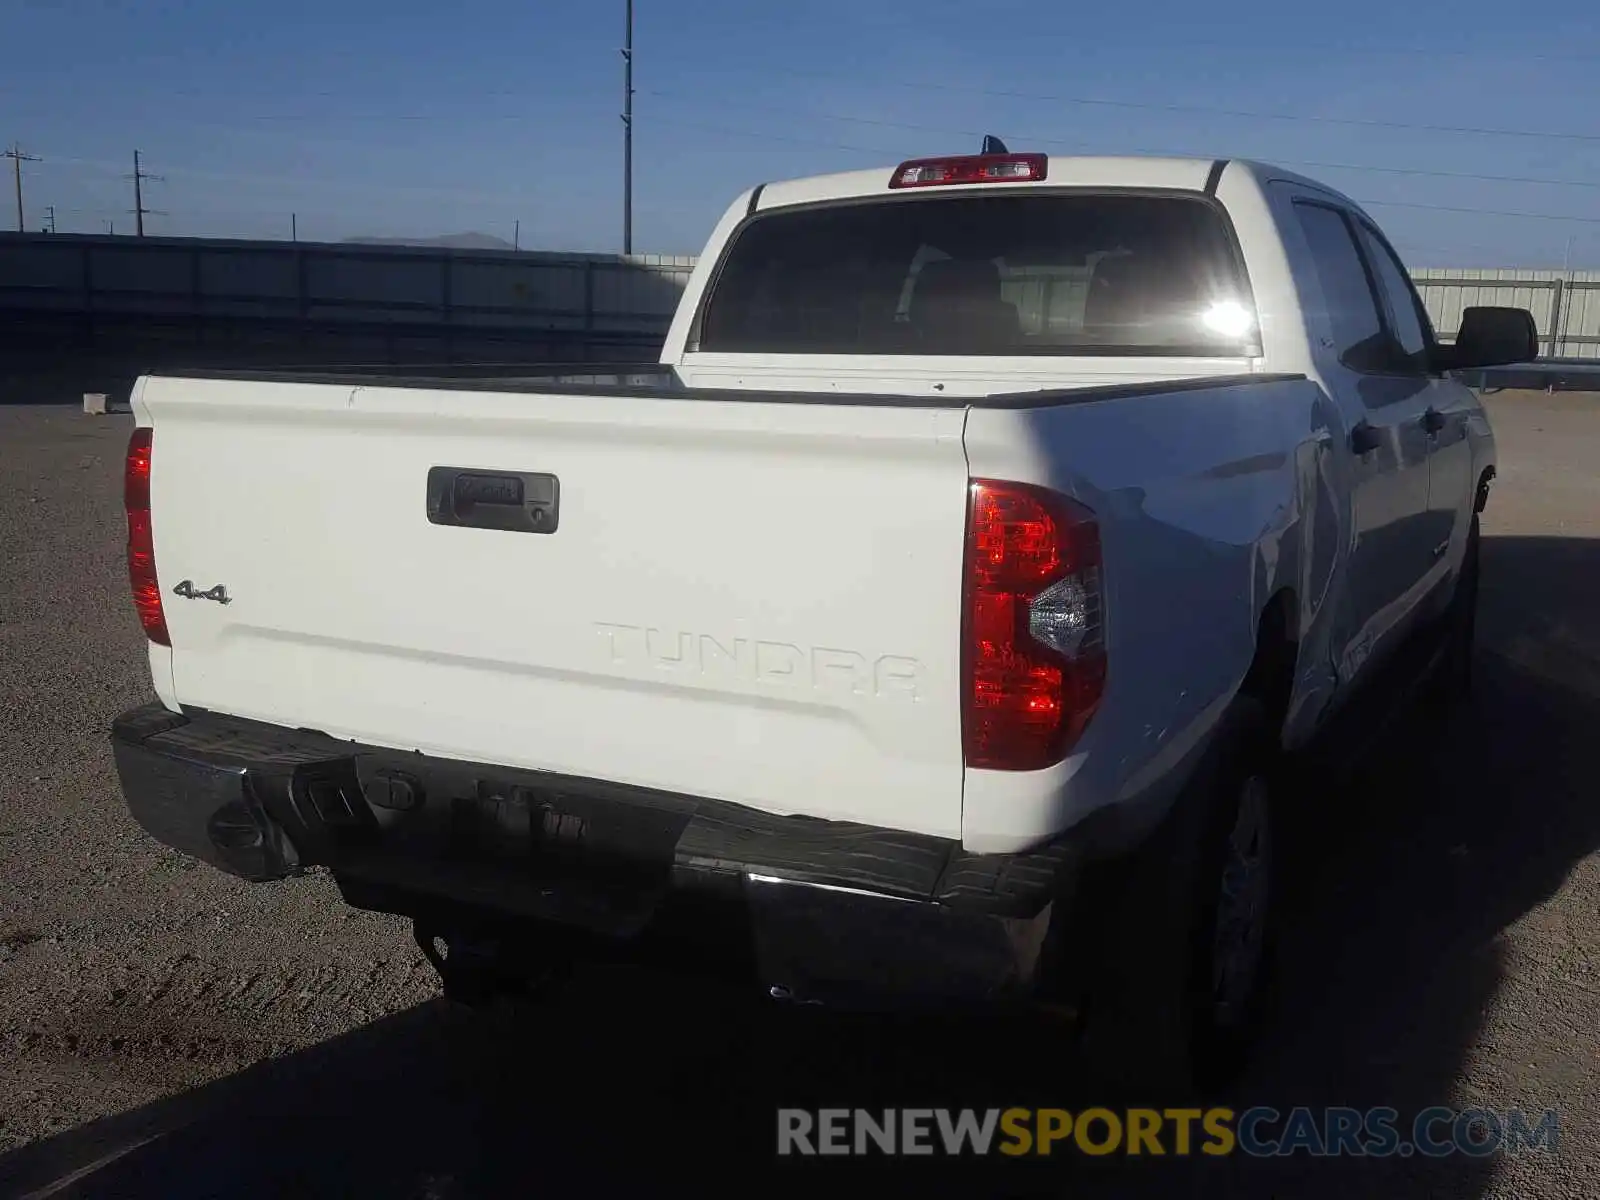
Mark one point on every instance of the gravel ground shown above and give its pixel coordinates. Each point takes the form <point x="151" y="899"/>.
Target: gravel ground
<point x="126" y="971"/>
<point x="225" y="1039"/>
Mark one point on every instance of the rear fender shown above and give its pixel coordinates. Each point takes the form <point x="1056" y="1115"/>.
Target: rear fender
<point x="1211" y="502"/>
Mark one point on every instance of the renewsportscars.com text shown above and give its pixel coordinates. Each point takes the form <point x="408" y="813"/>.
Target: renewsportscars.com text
<point x="1150" y="1132"/>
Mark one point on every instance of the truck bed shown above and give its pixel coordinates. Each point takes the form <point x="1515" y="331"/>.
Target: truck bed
<point x="753" y="596"/>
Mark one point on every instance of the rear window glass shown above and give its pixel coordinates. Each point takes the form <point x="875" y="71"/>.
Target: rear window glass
<point x="987" y="275"/>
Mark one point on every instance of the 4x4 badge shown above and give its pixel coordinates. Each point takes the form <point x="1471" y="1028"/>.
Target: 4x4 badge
<point x="188" y="591"/>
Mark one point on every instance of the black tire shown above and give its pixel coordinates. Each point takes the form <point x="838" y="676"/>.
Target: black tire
<point x="1160" y="1012"/>
<point x="1452" y="682"/>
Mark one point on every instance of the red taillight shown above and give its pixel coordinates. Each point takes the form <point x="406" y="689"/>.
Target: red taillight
<point x="141" y="539"/>
<point x="1035" y="662"/>
<point x="971" y="168"/>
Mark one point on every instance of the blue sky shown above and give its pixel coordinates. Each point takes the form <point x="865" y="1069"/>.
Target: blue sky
<point x="411" y="119"/>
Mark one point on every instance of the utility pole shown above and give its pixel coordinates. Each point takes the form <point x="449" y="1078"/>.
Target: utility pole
<point x="294" y="227"/>
<point x="516" y="235"/>
<point x="17" y="158"/>
<point x="627" y="137"/>
<point x="138" y="196"/>
<point x="50" y="217"/>
<point x="140" y="212"/>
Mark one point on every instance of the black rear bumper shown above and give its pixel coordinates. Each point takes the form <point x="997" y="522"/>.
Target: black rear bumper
<point x="263" y="802"/>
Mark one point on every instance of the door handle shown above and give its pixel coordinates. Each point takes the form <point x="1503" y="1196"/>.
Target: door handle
<point x="1364" y="438"/>
<point x="1433" y="420"/>
<point x="516" y="502"/>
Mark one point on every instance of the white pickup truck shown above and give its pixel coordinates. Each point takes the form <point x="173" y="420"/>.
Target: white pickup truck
<point x="931" y="621"/>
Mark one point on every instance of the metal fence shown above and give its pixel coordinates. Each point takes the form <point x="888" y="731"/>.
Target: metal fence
<point x="1565" y="304"/>
<point x="364" y="295"/>
<point x="216" y="291"/>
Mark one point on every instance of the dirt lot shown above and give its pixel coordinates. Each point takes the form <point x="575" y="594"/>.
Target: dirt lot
<point x="257" y="1041"/>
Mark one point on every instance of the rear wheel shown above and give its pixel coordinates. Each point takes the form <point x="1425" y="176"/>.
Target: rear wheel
<point x="1177" y="986"/>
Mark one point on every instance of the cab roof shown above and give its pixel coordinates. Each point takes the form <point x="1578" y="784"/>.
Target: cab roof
<point x="1128" y="171"/>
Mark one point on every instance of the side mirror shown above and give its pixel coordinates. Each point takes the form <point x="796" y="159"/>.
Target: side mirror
<point x="1490" y="337"/>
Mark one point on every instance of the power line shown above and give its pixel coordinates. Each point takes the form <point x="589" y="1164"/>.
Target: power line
<point x="796" y="112"/>
<point x="880" y="154"/>
<point x="928" y="85"/>
<point x="1330" y="48"/>
<point x="1498" y="55"/>
<point x="1484" y="212"/>
<point x="1026" y="139"/>
<point x="464" y="195"/>
<point x="876" y="151"/>
<point x="326" y="118"/>
<point x="1491" y="212"/>
<point x="1469" y="175"/>
<point x="775" y="137"/>
<point x="99" y="212"/>
<point x="17" y="158"/>
<point x="1202" y="110"/>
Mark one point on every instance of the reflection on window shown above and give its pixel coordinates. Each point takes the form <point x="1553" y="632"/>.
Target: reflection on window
<point x="1040" y="274"/>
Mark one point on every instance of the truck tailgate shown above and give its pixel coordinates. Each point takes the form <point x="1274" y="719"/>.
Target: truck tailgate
<point x="757" y="602"/>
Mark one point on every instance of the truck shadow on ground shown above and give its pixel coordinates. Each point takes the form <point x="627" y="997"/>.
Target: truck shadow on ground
<point x="1395" y="946"/>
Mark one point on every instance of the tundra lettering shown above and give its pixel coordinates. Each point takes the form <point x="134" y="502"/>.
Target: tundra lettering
<point x="636" y="648"/>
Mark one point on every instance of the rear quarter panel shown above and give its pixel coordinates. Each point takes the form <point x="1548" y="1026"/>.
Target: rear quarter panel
<point x="1210" y="502"/>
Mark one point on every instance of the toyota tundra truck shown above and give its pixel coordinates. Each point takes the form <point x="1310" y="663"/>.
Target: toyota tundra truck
<point x="932" y="623"/>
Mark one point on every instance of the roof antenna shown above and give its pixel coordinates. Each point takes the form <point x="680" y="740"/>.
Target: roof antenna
<point x="993" y="145"/>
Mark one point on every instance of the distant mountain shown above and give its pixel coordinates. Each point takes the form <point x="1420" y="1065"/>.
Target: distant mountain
<point x="449" y="241"/>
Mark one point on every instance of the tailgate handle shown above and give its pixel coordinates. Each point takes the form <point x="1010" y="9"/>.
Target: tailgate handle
<point x="513" y="501"/>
